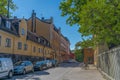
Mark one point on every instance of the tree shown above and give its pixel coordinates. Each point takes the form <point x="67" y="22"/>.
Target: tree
<point x="4" y="6"/>
<point x="97" y="18"/>
<point x="79" y="55"/>
<point x="79" y="52"/>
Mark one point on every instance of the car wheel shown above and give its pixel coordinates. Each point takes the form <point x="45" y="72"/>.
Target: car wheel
<point x="24" y="72"/>
<point x="10" y="74"/>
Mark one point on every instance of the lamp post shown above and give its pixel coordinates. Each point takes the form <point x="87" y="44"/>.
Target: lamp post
<point x="8" y="6"/>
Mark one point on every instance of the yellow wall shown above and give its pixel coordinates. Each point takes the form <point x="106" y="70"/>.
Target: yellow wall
<point x="22" y="38"/>
<point x="4" y="49"/>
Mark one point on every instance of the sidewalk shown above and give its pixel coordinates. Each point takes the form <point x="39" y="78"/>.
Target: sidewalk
<point x="81" y="74"/>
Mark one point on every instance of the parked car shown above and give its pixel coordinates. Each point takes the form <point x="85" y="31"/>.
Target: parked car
<point x="48" y="63"/>
<point x="54" y="63"/>
<point x="23" y="67"/>
<point x="40" y="65"/>
<point x="70" y="61"/>
<point x="6" y="67"/>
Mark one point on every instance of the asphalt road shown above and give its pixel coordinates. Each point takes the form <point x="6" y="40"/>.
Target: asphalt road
<point x="66" y="71"/>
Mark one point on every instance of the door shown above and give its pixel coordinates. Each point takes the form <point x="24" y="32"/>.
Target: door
<point x="90" y="60"/>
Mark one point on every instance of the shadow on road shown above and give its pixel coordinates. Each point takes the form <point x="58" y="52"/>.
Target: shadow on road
<point x="29" y="76"/>
<point x="70" y="64"/>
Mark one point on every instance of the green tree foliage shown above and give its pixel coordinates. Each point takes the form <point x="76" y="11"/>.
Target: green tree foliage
<point x="99" y="18"/>
<point x="79" y="52"/>
<point x="79" y="55"/>
<point x="3" y="6"/>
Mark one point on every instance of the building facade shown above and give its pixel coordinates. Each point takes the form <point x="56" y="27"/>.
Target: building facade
<point x="20" y="44"/>
<point x="88" y="55"/>
<point x="33" y="39"/>
<point x="45" y="27"/>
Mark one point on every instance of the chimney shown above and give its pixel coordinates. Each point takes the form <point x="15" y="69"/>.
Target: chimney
<point x="51" y="19"/>
<point x="42" y="18"/>
<point x="33" y="13"/>
<point x="15" y="17"/>
<point x="33" y="29"/>
<point x="59" y="30"/>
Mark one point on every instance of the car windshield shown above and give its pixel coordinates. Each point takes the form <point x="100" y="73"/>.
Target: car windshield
<point x="38" y="62"/>
<point x="19" y="64"/>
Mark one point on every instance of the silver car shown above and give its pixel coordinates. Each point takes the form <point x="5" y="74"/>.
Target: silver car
<point x="23" y="67"/>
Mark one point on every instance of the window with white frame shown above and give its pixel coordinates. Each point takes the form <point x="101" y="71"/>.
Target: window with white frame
<point x="23" y="31"/>
<point x="8" y="24"/>
<point x="8" y="42"/>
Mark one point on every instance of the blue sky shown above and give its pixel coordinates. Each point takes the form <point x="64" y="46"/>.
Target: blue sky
<point x="48" y="8"/>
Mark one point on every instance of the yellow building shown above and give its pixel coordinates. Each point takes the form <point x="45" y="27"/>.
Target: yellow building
<point x="33" y="39"/>
<point x="19" y="43"/>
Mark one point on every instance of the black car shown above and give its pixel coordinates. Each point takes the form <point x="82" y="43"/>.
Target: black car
<point x="54" y="63"/>
<point x="40" y="65"/>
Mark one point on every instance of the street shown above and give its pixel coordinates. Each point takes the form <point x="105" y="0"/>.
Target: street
<point x="66" y="71"/>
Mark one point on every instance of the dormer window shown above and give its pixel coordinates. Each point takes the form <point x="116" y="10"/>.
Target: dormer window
<point x="44" y="42"/>
<point x="23" y="31"/>
<point x="8" y="24"/>
<point x="38" y="39"/>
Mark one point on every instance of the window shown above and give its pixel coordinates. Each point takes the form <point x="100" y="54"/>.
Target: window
<point x="8" y="42"/>
<point x="39" y="50"/>
<point x="38" y="39"/>
<point x="48" y="52"/>
<point x="8" y="24"/>
<point x="23" y="31"/>
<point x="0" y="40"/>
<point x="44" y="42"/>
<point x="44" y="51"/>
<point x="19" y="45"/>
<point x="34" y="49"/>
<point x="25" y="46"/>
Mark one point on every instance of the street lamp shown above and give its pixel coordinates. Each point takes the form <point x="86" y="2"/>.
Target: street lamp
<point x="8" y="6"/>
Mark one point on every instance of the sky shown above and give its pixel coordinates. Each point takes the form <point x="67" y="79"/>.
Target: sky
<point x="47" y="9"/>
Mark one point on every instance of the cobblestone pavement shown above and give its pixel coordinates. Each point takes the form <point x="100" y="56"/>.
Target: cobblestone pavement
<point x="66" y="71"/>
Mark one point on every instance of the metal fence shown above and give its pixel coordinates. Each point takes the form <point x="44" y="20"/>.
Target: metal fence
<point x="109" y="62"/>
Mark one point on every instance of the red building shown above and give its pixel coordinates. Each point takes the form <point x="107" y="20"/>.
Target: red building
<point x="88" y="55"/>
<point x="72" y="56"/>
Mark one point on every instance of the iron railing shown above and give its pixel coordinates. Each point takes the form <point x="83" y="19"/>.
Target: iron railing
<point x="109" y="62"/>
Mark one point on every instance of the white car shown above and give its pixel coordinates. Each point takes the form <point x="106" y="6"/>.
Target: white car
<point x="6" y="67"/>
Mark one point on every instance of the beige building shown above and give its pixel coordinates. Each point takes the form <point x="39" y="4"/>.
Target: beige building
<point x="45" y="27"/>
